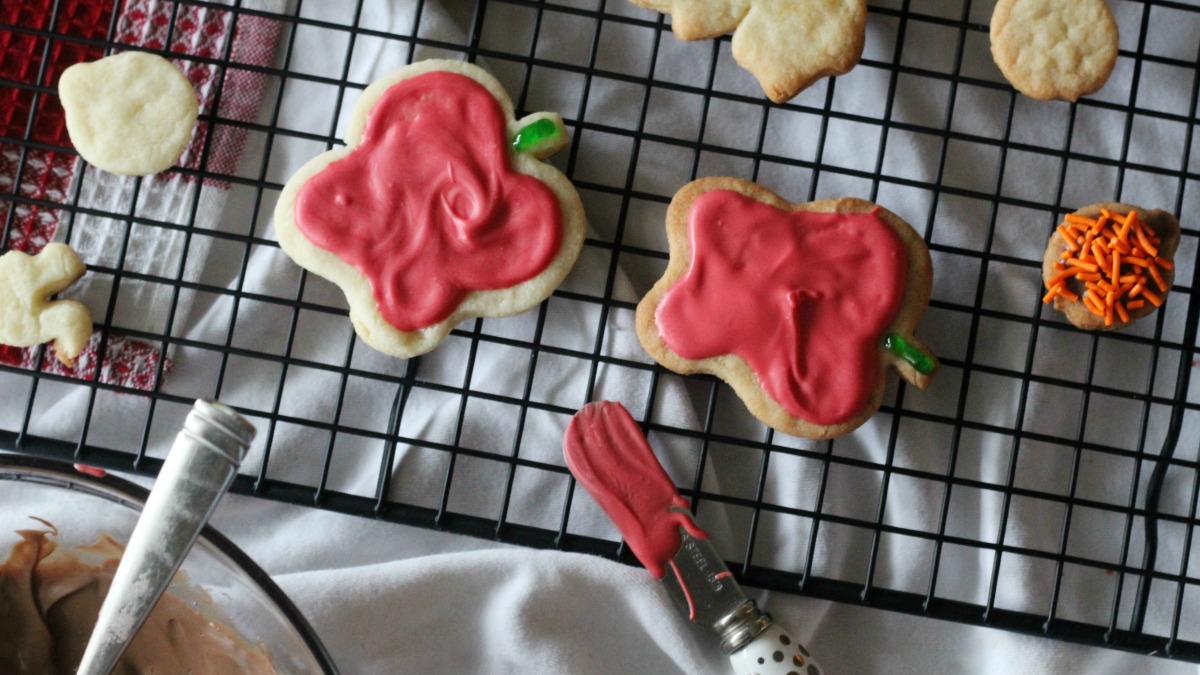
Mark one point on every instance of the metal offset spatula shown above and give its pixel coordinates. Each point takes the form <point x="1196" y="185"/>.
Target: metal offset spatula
<point x="607" y="453"/>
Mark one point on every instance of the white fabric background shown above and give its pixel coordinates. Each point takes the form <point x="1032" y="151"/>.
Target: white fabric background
<point x="387" y="598"/>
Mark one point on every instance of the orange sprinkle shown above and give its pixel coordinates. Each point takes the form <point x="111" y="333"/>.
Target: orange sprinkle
<point x="1089" y="266"/>
<point x="1122" y="313"/>
<point x="1078" y="219"/>
<point x="1068" y="238"/>
<point x="1062" y="276"/>
<point x="1164" y="263"/>
<point x="1154" y="299"/>
<point x="1137" y="260"/>
<point x="1093" y="307"/>
<point x="1089" y="276"/>
<point x="1135" y="304"/>
<point x="1158" y="279"/>
<point x="1062" y="290"/>
<point x="1144" y="242"/>
<point x="1054" y="291"/>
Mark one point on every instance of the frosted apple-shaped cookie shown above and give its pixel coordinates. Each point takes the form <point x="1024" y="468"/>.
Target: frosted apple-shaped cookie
<point x="801" y="308"/>
<point x="438" y="209"/>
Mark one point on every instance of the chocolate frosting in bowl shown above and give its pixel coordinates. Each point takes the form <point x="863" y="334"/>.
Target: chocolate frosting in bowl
<point x="50" y="598"/>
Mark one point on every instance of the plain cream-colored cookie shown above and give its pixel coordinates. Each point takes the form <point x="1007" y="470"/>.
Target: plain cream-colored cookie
<point x="1054" y="49"/>
<point x="130" y="114"/>
<point x="439" y="208"/>
<point x="786" y="44"/>
<point x="27" y="314"/>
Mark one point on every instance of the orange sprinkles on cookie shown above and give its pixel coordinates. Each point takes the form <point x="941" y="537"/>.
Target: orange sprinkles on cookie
<point x="1116" y="257"/>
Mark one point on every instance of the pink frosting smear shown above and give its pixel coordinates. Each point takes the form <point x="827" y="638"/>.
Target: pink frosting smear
<point x="607" y="453"/>
<point x="802" y="297"/>
<point x="427" y="205"/>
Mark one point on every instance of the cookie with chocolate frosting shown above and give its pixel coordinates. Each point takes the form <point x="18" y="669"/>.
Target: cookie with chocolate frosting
<point x="1110" y="264"/>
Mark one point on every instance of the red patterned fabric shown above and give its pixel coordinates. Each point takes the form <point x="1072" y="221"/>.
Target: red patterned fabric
<point x="46" y="175"/>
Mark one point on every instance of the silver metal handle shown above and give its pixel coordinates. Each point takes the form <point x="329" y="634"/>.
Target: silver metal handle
<point x="199" y="469"/>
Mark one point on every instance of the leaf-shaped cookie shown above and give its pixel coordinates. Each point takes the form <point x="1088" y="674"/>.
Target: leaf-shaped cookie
<point x="786" y="44"/>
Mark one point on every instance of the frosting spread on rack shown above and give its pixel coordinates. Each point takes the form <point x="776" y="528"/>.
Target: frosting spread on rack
<point x="802" y="297"/>
<point x="49" y="600"/>
<point x="427" y="205"/>
<point x="607" y="453"/>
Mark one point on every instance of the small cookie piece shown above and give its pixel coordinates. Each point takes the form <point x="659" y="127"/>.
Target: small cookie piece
<point x="439" y="208"/>
<point x="1110" y="264"/>
<point x="27" y="315"/>
<point x="786" y="44"/>
<point x="1054" y="49"/>
<point x="130" y="114"/>
<point x="799" y="307"/>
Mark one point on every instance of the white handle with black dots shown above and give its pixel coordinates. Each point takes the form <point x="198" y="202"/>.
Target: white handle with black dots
<point x="774" y="652"/>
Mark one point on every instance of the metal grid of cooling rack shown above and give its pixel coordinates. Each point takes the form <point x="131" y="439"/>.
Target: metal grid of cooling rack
<point x="939" y="506"/>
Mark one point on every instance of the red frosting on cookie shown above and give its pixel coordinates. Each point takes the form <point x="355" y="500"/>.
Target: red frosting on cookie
<point x="427" y="206"/>
<point x="802" y="297"/>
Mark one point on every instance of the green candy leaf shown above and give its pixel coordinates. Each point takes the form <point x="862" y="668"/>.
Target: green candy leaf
<point x="531" y="135"/>
<point x="910" y="353"/>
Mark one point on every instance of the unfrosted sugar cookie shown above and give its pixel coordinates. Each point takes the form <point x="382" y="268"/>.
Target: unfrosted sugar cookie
<point x="1110" y="264"/>
<point x="786" y="44"/>
<point x="1054" y="49"/>
<point x="439" y="208"/>
<point x="130" y="114"/>
<point x="27" y="314"/>
<point x="801" y="308"/>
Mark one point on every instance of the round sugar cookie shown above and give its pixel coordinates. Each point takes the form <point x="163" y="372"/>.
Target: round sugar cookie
<point x="1054" y="49"/>
<point x="130" y="114"/>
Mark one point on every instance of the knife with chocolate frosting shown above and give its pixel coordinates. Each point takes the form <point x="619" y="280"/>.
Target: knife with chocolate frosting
<point x="609" y="456"/>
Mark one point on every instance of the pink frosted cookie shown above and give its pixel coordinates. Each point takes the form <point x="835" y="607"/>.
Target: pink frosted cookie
<point x="801" y="308"/>
<point x="438" y="209"/>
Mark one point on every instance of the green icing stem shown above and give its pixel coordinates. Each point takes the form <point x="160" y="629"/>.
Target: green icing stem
<point x="532" y="134"/>
<point x="913" y="355"/>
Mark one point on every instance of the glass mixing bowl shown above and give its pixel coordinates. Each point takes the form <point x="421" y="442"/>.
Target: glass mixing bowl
<point x="236" y="591"/>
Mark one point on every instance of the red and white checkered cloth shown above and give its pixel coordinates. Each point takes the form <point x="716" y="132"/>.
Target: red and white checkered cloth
<point x="49" y="175"/>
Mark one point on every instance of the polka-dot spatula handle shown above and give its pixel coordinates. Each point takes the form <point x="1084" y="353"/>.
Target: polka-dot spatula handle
<point x="774" y="652"/>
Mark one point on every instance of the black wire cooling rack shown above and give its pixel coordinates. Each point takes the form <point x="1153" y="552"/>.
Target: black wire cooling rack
<point x="1005" y="497"/>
